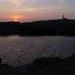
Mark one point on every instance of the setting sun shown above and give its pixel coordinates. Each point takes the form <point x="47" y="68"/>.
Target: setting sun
<point x="16" y="18"/>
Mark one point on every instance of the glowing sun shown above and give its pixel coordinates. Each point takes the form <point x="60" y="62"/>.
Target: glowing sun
<point x="16" y="18"/>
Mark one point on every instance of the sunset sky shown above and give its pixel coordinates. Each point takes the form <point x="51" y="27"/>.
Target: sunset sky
<point x="30" y="10"/>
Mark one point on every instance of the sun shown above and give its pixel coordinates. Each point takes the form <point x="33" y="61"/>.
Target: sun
<point x="16" y="18"/>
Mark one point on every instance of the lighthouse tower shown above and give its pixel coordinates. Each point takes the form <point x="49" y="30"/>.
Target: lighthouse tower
<point x="63" y="17"/>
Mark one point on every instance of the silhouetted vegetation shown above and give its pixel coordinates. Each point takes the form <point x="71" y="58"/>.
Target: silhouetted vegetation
<point x="64" y="27"/>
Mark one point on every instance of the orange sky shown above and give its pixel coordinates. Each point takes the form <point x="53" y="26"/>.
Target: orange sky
<point x="30" y="10"/>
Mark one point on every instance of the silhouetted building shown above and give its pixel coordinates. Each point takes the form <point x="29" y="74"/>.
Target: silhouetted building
<point x="63" y="17"/>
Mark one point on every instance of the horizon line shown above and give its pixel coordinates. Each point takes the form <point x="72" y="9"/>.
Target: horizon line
<point x="34" y="20"/>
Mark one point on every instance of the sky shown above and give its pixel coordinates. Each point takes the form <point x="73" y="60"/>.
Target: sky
<point x="30" y="10"/>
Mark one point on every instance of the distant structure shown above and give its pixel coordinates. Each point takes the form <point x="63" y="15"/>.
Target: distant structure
<point x="63" y="17"/>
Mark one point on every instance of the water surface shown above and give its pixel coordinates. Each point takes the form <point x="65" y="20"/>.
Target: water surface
<point x="16" y="50"/>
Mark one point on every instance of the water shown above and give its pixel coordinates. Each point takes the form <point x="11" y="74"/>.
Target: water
<point x="16" y="50"/>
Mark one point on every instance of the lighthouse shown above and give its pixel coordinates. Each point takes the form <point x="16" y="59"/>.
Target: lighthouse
<point x="63" y="17"/>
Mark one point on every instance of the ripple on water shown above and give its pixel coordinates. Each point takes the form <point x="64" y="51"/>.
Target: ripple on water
<point x="18" y="50"/>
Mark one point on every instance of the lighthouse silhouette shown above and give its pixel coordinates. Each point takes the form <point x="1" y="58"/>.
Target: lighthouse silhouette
<point x="63" y="17"/>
